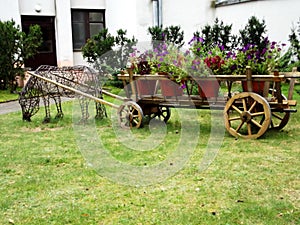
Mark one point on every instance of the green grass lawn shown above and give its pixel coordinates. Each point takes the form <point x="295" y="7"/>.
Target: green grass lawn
<point x="5" y="95"/>
<point x="45" y="178"/>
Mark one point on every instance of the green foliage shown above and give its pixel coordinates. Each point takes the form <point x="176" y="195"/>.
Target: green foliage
<point x="253" y="33"/>
<point x="15" y="47"/>
<point x="46" y="180"/>
<point x="98" y="45"/>
<point x="217" y="34"/>
<point x="292" y="57"/>
<point x="171" y="34"/>
<point x="108" y="53"/>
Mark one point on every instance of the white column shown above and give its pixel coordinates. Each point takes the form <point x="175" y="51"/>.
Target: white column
<point x="64" y="46"/>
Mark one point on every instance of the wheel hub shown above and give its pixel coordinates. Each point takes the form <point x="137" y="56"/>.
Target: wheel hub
<point x="246" y="117"/>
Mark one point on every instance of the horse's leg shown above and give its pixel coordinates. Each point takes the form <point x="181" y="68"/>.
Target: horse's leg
<point x="100" y="111"/>
<point x="46" y="100"/>
<point x="84" y="105"/>
<point x="57" y="101"/>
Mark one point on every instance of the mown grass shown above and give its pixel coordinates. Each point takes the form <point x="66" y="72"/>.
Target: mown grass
<point x="46" y="180"/>
<point x="5" y="95"/>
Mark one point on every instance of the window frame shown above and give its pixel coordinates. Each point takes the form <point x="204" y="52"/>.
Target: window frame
<point x="230" y="2"/>
<point x="86" y="22"/>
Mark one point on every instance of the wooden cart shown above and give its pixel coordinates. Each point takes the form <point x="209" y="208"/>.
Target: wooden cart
<point x="246" y="114"/>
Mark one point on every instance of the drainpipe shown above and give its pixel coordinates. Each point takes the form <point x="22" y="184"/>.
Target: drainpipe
<point x="157" y="12"/>
<point x="160" y="12"/>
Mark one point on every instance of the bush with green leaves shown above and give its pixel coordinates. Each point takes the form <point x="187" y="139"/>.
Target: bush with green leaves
<point x="108" y="53"/>
<point x="210" y="36"/>
<point x="291" y="58"/>
<point x="254" y="33"/>
<point x="171" y="34"/>
<point x="15" y="47"/>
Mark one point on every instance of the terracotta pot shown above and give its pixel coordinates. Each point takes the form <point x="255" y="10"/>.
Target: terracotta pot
<point x="146" y="87"/>
<point x="257" y="86"/>
<point x="170" y="88"/>
<point x="208" y="88"/>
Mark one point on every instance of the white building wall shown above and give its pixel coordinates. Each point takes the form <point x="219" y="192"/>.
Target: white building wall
<point x="190" y="15"/>
<point x="279" y="16"/>
<point x="37" y="7"/>
<point x="9" y="11"/>
<point x="137" y="15"/>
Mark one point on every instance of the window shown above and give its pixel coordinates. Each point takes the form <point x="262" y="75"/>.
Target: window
<point x="85" y="24"/>
<point x="229" y="2"/>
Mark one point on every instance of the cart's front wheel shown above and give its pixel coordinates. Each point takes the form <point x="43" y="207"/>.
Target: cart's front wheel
<point x="247" y="115"/>
<point x="130" y="115"/>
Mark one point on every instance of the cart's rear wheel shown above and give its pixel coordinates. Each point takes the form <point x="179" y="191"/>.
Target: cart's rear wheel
<point x="163" y="113"/>
<point x="279" y="119"/>
<point x="130" y="115"/>
<point x="247" y="115"/>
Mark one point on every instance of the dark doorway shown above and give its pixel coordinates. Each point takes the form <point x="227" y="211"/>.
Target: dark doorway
<point x="47" y="52"/>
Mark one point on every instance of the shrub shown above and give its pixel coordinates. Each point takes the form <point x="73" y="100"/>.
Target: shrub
<point x="171" y="34"/>
<point x="109" y="54"/>
<point x="15" y="47"/>
<point x="214" y="35"/>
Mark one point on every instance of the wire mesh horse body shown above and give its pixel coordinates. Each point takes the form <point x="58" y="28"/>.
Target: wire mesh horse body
<point x="79" y="77"/>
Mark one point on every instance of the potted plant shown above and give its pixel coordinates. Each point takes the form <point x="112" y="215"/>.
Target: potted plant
<point x="165" y="59"/>
<point x="213" y="60"/>
<point x="261" y="62"/>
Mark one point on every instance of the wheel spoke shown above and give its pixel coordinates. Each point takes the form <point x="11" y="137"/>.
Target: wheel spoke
<point x="252" y="106"/>
<point x="258" y="114"/>
<point x="256" y="123"/>
<point x="249" y="128"/>
<point x="234" y="118"/>
<point x="237" y="109"/>
<point x="135" y="121"/>
<point x="244" y="104"/>
<point x="277" y="116"/>
<point x="239" y="127"/>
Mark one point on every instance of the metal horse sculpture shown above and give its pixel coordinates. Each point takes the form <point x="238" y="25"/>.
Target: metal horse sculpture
<point x="81" y="78"/>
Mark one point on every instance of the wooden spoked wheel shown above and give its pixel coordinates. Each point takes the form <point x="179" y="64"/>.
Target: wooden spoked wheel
<point x="247" y="115"/>
<point x="163" y="113"/>
<point x="279" y="119"/>
<point x="130" y="115"/>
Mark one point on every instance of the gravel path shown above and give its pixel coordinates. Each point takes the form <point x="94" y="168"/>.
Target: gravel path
<point x="8" y="107"/>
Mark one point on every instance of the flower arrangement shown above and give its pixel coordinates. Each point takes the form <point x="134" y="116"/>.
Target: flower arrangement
<point x="262" y="61"/>
<point x="169" y="60"/>
<point x="234" y="62"/>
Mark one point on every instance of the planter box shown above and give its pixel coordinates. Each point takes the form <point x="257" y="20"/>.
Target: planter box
<point x="169" y="88"/>
<point x="257" y="87"/>
<point x="208" y="88"/>
<point x="146" y="87"/>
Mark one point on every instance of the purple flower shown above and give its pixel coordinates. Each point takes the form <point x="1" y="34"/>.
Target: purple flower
<point x="183" y="86"/>
<point x="200" y="39"/>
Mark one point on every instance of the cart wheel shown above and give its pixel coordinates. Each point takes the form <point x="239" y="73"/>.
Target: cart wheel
<point x="247" y="115"/>
<point x="279" y="119"/>
<point x="163" y="113"/>
<point x="130" y="115"/>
